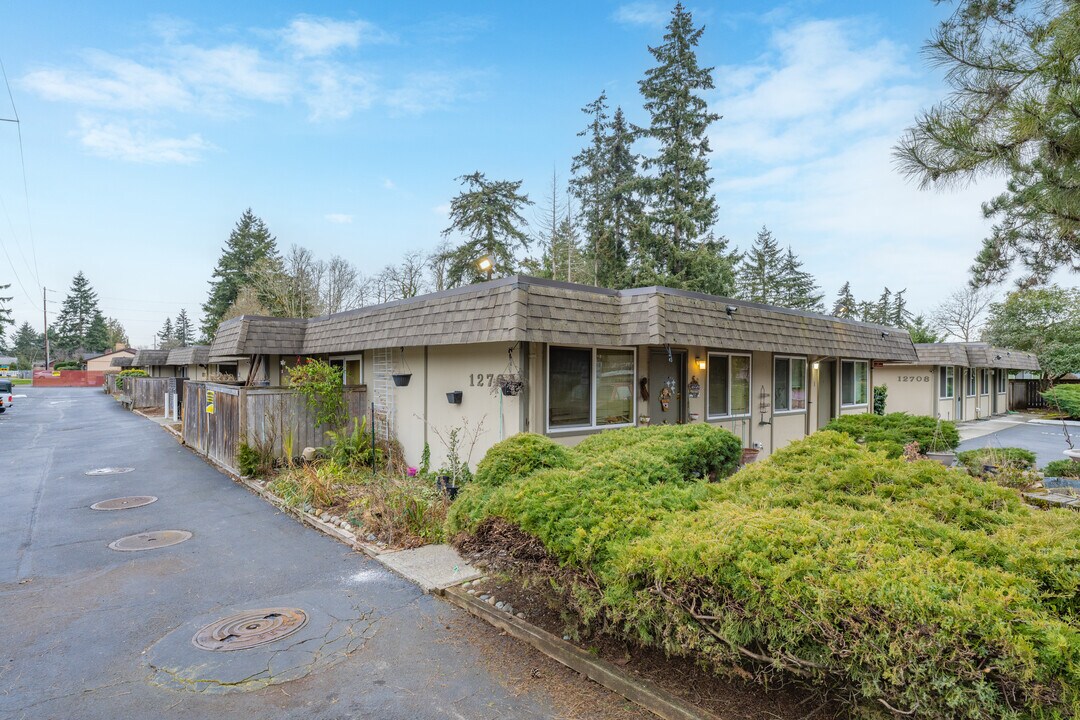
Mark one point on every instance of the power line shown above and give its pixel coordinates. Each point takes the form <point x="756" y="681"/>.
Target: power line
<point x="22" y="164"/>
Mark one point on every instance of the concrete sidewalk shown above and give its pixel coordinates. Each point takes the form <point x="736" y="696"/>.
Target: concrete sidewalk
<point x="970" y="429"/>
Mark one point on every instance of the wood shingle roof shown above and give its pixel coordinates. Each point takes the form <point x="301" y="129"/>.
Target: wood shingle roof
<point x="148" y="358"/>
<point x="190" y="355"/>
<point x="975" y="355"/>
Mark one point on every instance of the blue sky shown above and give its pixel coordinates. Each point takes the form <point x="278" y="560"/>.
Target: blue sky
<point x="148" y="128"/>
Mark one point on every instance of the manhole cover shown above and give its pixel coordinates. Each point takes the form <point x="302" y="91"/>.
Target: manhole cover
<point x="109" y="471"/>
<point x="250" y="629"/>
<point x="150" y="540"/>
<point x="123" y="503"/>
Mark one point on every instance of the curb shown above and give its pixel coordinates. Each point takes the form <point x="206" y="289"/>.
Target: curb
<point x="641" y="692"/>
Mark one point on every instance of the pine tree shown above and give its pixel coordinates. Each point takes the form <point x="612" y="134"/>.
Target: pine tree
<point x="899" y="315"/>
<point x="590" y="185"/>
<point x="166" y="337"/>
<point x="845" y="306"/>
<point x="797" y="287"/>
<point x="867" y="311"/>
<point x="488" y="213"/>
<point x="28" y="346"/>
<point x="760" y="270"/>
<point x="117" y="334"/>
<point x="546" y="227"/>
<point x="183" y="332"/>
<point x="249" y="242"/>
<point x="78" y="312"/>
<point x="882" y="308"/>
<point x="625" y="207"/>
<point x="681" y="207"/>
<point x="5" y="311"/>
<point x="97" y="335"/>
<point x="921" y="332"/>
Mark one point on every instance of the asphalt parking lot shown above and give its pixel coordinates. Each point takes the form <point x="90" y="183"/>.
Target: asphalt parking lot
<point x="91" y="632"/>
<point x="1046" y="441"/>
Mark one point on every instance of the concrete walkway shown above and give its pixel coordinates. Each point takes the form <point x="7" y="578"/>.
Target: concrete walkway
<point x="970" y="429"/>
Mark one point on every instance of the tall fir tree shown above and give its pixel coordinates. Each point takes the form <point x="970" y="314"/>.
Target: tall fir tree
<point x="249" y="242"/>
<point x="28" y="346"/>
<point x="5" y="311"/>
<point x="883" y="308"/>
<point x="97" y="335"/>
<point x="166" y="337"/>
<point x="590" y="185"/>
<point x="117" y="334"/>
<point x="845" y="305"/>
<point x="921" y="331"/>
<point x="798" y="289"/>
<point x="759" y="274"/>
<point x="488" y="213"/>
<point x="77" y="313"/>
<point x="183" y="332"/>
<point x="626" y="210"/>
<point x="681" y="208"/>
<point x="899" y="315"/>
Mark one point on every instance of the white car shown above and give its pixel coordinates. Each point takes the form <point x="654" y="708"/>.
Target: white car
<point x="6" y="397"/>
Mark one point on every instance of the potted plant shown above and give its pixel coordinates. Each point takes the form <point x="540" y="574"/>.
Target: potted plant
<point x="938" y="450"/>
<point x="749" y="455"/>
<point x="401" y="377"/>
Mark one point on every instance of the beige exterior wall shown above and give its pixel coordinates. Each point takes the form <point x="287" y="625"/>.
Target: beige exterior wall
<point x="104" y="363"/>
<point x="921" y="398"/>
<point x="911" y="388"/>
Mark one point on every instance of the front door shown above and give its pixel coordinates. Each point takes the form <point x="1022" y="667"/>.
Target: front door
<point x="667" y="383"/>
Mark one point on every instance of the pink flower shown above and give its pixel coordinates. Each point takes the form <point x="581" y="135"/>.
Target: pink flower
<point x="412" y="472"/>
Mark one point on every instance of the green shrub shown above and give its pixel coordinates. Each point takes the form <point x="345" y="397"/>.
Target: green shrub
<point x="887" y="581"/>
<point x="128" y="373"/>
<point x="248" y="459"/>
<point x="1001" y="457"/>
<point x="899" y="428"/>
<point x="353" y="450"/>
<point x="881" y="396"/>
<point x="68" y="365"/>
<point x="521" y="455"/>
<point x="1065" y="398"/>
<point x="1062" y="468"/>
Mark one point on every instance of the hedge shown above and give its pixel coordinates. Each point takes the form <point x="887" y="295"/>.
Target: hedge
<point x="895" y="584"/>
<point x="893" y="431"/>
<point x="1065" y="398"/>
<point x="1062" y="468"/>
<point x="1002" y="457"/>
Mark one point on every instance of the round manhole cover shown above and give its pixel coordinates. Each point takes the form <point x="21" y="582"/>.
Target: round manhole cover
<point x="150" y="540"/>
<point x="108" y="471"/>
<point x="123" y="503"/>
<point x="250" y="629"/>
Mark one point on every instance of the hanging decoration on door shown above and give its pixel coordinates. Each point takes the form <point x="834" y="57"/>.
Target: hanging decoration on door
<point x="665" y="398"/>
<point x="694" y="388"/>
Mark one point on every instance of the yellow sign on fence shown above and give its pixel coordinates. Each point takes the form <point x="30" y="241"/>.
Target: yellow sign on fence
<point x="209" y="402"/>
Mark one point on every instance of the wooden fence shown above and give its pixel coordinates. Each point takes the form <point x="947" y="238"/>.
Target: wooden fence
<point x="218" y="418"/>
<point x="145" y="392"/>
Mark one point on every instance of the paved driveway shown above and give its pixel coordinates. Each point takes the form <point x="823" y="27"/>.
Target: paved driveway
<point x="88" y="632"/>
<point x="1046" y="441"/>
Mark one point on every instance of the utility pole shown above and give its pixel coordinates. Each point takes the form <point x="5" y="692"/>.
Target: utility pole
<point x="45" y="317"/>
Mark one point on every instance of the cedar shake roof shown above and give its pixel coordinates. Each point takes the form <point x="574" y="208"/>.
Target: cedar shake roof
<point x="122" y="362"/>
<point x="976" y="355"/>
<point x="526" y="309"/>
<point x="190" y="355"/>
<point x="148" y="358"/>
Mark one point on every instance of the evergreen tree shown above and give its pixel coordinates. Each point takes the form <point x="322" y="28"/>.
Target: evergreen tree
<point x="590" y="185"/>
<point x="5" y="311"/>
<point x="625" y="207"/>
<point x="488" y="213"/>
<point x="78" y="312"/>
<point x="797" y="287"/>
<point x="867" y="311"/>
<point x="921" y="332"/>
<point x="760" y="270"/>
<point x="899" y="315"/>
<point x="97" y="334"/>
<point x="249" y="242"/>
<point x="681" y="207"/>
<point x="28" y="346"/>
<point x="183" y="332"/>
<point x="710" y="268"/>
<point x="547" y="227"/>
<point x="117" y="333"/>
<point x="845" y="306"/>
<point x="166" y="337"/>
<point x="883" y="307"/>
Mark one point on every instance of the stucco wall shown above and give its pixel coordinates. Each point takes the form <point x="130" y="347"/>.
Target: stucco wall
<point x="911" y="388"/>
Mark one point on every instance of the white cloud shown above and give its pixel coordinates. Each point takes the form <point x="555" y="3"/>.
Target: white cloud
<point x="336" y="92"/>
<point x="232" y="72"/>
<point x="111" y="82"/>
<point x="121" y="141"/>
<point x="320" y="36"/>
<point x="423" y="92"/>
<point x="389" y="184"/>
<point x="338" y="218"/>
<point x="641" y="13"/>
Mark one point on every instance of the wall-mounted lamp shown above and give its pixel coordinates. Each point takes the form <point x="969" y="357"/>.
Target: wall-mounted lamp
<point x="997" y="357"/>
<point x="817" y="366"/>
<point x="700" y="363"/>
<point x="884" y="334"/>
<point x="731" y="310"/>
<point x="486" y="266"/>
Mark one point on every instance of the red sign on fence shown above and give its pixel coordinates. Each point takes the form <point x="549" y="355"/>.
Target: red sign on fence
<point x="68" y="378"/>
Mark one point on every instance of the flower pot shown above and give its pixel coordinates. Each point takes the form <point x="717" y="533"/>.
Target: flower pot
<point x="454" y="397"/>
<point x="446" y="487"/>
<point x="512" y="387"/>
<point x="946" y="458"/>
<point x="749" y="455"/>
<point x="694" y="417"/>
<point x="401" y="380"/>
<point x="989" y="469"/>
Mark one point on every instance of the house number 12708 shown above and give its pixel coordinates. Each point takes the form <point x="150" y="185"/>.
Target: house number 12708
<point x="481" y="380"/>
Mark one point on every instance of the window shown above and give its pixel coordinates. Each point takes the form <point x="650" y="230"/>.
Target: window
<point x="789" y="384"/>
<point x="854" y="378"/>
<point x="1001" y="381"/>
<point x="984" y="381"/>
<point x="946" y="380"/>
<point x="590" y="387"/>
<point x="971" y="383"/>
<point x="729" y="385"/>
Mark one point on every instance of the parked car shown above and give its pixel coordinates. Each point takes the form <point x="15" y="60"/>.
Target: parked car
<point x="6" y="396"/>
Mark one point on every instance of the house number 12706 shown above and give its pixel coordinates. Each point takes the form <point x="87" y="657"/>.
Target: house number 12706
<point x="481" y="380"/>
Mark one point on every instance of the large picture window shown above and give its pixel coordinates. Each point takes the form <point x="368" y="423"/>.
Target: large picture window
<point x="590" y="387"/>
<point x="854" y="379"/>
<point x="947" y="382"/>
<point x="789" y="384"/>
<point x="729" y="385"/>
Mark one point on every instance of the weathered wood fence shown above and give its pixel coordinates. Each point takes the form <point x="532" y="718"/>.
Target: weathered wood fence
<point x="110" y="383"/>
<point x="219" y="418"/>
<point x="145" y="392"/>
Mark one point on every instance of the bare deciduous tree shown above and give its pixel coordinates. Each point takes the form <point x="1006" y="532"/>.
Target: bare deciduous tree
<point x="343" y="287"/>
<point x="962" y="314"/>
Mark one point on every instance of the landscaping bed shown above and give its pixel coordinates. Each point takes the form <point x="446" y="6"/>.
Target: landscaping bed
<point x="894" y="586"/>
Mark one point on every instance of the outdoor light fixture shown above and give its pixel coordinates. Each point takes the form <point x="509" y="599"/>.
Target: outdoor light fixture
<point x="997" y="357"/>
<point x="731" y="310"/>
<point x="700" y="362"/>
<point x="486" y="265"/>
<point x="884" y="334"/>
<point x="817" y="365"/>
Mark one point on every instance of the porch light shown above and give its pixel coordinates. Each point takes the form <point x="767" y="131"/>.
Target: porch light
<point x="884" y="334"/>
<point x="817" y="365"/>
<point x="731" y="310"/>
<point x="485" y="265"/>
<point x="700" y="362"/>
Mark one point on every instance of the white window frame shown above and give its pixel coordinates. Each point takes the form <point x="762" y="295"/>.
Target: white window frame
<point x="943" y="372"/>
<point x="972" y="381"/>
<point x="1002" y="381"/>
<point x="571" y="429"/>
<point x="869" y="391"/>
<point x="727" y="415"/>
<point x="806" y="385"/>
<point x="345" y="360"/>
<point x="984" y="382"/>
